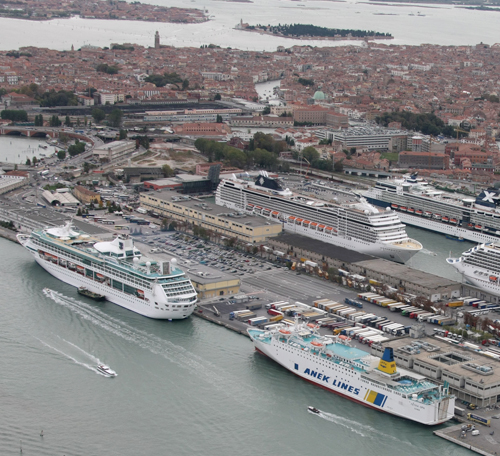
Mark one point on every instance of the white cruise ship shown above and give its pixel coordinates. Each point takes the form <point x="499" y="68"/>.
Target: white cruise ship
<point x="355" y="225"/>
<point x="352" y="373"/>
<point x="116" y="270"/>
<point x="418" y="203"/>
<point x="480" y="266"/>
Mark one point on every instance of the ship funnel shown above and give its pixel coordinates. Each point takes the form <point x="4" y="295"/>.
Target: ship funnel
<point x="148" y="267"/>
<point x="387" y="363"/>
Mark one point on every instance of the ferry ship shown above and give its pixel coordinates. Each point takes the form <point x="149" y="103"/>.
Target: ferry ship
<point x="480" y="266"/>
<point x="333" y="364"/>
<point x="114" y="269"/>
<point x="420" y="204"/>
<point x="354" y="225"/>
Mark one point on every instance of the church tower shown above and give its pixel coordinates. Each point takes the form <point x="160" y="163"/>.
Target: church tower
<point x="157" y="40"/>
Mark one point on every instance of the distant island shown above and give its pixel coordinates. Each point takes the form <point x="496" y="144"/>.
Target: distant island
<point x="36" y="10"/>
<point x="308" y="31"/>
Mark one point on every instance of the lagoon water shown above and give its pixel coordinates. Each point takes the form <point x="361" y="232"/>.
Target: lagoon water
<point x="183" y="388"/>
<point x="411" y="24"/>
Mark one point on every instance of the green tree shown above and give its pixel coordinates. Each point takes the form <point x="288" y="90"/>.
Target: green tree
<point x="311" y="154"/>
<point x="55" y="121"/>
<point x="28" y="162"/>
<point x="123" y="134"/>
<point x="185" y="84"/>
<point x="338" y="167"/>
<point x="167" y="171"/>
<point x="219" y="118"/>
<point x="61" y="154"/>
<point x="98" y="115"/>
<point x="67" y="122"/>
<point x="34" y="160"/>
<point x="15" y="115"/>
<point x="217" y="97"/>
<point x="115" y="118"/>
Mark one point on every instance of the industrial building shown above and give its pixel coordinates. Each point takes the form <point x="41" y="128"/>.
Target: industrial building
<point x="114" y="150"/>
<point x="208" y="285"/>
<point x="392" y="274"/>
<point x="207" y="215"/>
<point x="473" y="376"/>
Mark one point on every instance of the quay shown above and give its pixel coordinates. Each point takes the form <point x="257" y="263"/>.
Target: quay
<point x="486" y="443"/>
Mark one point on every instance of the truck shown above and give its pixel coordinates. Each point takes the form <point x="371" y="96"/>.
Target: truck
<point x="455" y="304"/>
<point x="478" y="419"/>
<point x="353" y="302"/>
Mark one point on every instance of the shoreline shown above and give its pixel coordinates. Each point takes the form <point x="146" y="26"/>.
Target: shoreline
<point x="8" y="234"/>
<point x="319" y="38"/>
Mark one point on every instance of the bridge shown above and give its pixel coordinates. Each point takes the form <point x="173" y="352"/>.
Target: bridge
<point x="43" y="132"/>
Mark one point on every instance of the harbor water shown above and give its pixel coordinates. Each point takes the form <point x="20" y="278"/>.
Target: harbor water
<point x="184" y="387"/>
<point x="15" y="149"/>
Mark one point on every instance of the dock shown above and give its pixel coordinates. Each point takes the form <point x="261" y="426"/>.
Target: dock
<point x="486" y="443"/>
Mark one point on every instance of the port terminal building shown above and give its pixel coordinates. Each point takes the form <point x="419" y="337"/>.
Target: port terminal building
<point x="206" y="214"/>
<point x="473" y="376"/>
<point x="211" y="285"/>
<point x="396" y="275"/>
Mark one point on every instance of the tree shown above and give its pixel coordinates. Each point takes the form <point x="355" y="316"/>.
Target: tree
<point x="15" y="115"/>
<point x="34" y="160"/>
<point x="219" y="118"/>
<point x="217" y="97"/>
<point x="338" y="167"/>
<point x="55" y="121"/>
<point x="123" y="134"/>
<point x="266" y="110"/>
<point x="28" y="162"/>
<point x="98" y="115"/>
<point x="115" y="118"/>
<point x="61" y="154"/>
<point x="167" y="171"/>
<point x="185" y="84"/>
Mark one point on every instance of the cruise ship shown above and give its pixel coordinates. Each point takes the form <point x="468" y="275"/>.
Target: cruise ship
<point x="354" y="225"/>
<point x="420" y="204"/>
<point x="115" y="269"/>
<point x="330" y="362"/>
<point x="480" y="266"/>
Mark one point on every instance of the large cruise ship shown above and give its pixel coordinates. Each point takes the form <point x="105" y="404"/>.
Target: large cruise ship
<point x="420" y="204"/>
<point x="480" y="266"/>
<point x="115" y="269"/>
<point x="352" y="373"/>
<point x="354" y="225"/>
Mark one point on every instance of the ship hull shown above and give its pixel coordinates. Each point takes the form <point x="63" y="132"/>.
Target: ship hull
<point x="439" y="227"/>
<point x="468" y="271"/>
<point x="145" y="306"/>
<point x="347" y="383"/>
<point x="390" y="252"/>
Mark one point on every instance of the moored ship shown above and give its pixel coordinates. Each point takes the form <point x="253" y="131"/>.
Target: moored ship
<point x="115" y="269"/>
<point x="354" y="225"/>
<point x="480" y="265"/>
<point x="418" y="203"/>
<point x="354" y="374"/>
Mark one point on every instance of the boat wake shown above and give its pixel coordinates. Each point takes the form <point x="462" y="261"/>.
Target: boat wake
<point x="177" y="354"/>
<point x="355" y="426"/>
<point x="72" y="358"/>
<point x="428" y="252"/>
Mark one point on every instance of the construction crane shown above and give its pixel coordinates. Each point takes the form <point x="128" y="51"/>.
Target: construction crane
<point x="458" y="130"/>
<point x="308" y="164"/>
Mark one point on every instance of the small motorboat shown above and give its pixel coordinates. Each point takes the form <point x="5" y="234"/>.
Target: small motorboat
<point x="106" y="370"/>
<point x="314" y="410"/>
<point x="90" y="294"/>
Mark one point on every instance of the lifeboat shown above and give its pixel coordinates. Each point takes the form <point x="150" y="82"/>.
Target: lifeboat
<point x="437" y="216"/>
<point x="347" y="339"/>
<point x="394" y="206"/>
<point x="453" y="220"/>
<point x="100" y="277"/>
<point x="445" y="219"/>
<point x="427" y="214"/>
<point x="275" y="214"/>
<point x="402" y="208"/>
<point x="285" y="331"/>
<point x="299" y="221"/>
<point x="71" y="266"/>
<point x="140" y="294"/>
<point x="80" y="269"/>
<point x="311" y="325"/>
<point x="478" y="227"/>
<point x="493" y="279"/>
<point x="411" y="210"/>
<point x="419" y="212"/>
<point x="315" y="343"/>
